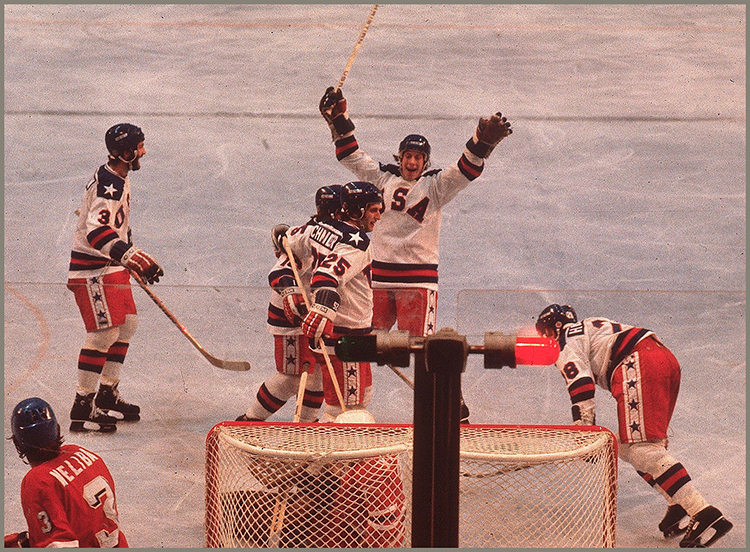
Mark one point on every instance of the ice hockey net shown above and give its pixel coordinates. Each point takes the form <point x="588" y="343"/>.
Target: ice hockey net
<point x="333" y="485"/>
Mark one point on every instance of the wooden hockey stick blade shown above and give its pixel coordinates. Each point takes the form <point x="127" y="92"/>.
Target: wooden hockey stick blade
<point x="234" y="365"/>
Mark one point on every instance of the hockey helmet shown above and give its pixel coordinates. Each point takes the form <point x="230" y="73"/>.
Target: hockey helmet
<point x="121" y="139"/>
<point x="554" y="318"/>
<point x="328" y="200"/>
<point x="415" y="142"/>
<point x="355" y="416"/>
<point x="34" y="425"/>
<point x="356" y="196"/>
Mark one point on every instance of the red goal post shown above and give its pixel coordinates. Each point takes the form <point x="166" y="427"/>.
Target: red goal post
<point x="320" y="485"/>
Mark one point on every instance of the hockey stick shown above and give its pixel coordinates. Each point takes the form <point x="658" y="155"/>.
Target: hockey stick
<point x="293" y="264"/>
<point x="236" y="365"/>
<point x="357" y="46"/>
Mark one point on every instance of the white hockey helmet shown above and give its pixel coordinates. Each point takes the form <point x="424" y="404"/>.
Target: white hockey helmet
<point x="355" y="416"/>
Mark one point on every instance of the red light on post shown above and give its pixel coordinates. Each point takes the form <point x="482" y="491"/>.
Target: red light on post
<point x="536" y="351"/>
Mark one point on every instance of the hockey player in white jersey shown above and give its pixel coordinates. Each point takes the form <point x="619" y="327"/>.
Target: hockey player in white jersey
<point x="644" y="378"/>
<point x="406" y="242"/>
<point x="101" y="258"/>
<point x="342" y="295"/>
<point x="286" y="309"/>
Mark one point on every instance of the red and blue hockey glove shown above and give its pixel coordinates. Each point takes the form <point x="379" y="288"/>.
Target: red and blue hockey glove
<point x="142" y="264"/>
<point x="294" y="305"/>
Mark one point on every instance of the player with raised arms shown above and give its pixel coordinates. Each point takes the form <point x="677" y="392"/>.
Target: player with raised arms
<point x="405" y="243"/>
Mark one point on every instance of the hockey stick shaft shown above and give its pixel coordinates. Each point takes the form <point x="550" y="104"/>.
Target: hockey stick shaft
<point x="235" y="365"/>
<point x="357" y="46"/>
<point x="321" y="345"/>
<point x="403" y="376"/>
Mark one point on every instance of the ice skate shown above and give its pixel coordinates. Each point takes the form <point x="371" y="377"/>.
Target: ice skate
<point x="675" y="521"/>
<point x="108" y="399"/>
<point x="85" y="417"/>
<point x="705" y="528"/>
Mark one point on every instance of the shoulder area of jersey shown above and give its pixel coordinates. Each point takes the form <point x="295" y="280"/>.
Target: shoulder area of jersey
<point x="108" y="184"/>
<point x="352" y="236"/>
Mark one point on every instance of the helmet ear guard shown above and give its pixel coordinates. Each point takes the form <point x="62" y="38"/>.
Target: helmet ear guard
<point x="554" y="318"/>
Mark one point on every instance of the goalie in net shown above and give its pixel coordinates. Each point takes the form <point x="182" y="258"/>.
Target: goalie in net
<point x="344" y="503"/>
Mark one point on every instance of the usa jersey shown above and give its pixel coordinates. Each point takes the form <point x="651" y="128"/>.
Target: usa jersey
<point x="406" y="239"/>
<point x="310" y="244"/>
<point x="346" y="268"/>
<point x="103" y="221"/>
<point x="70" y="501"/>
<point x="591" y="350"/>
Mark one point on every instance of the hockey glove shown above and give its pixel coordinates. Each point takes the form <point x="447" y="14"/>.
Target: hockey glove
<point x="17" y="540"/>
<point x="488" y="134"/>
<point x="584" y="412"/>
<point x="142" y="264"/>
<point x="318" y="322"/>
<point x="277" y="233"/>
<point x="294" y="305"/>
<point x="333" y="108"/>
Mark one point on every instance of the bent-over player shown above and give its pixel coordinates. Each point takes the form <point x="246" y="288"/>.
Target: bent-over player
<point x="342" y="295"/>
<point x="286" y="309"/>
<point x="101" y="258"/>
<point x="644" y="378"/>
<point x="405" y="243"/>
<point x="68" y="495"/>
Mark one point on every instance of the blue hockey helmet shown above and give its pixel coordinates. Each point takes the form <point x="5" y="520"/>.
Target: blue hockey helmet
<point x="415" y="142"/>
<point x="121" y="139"/>
<point x="356" y="196"/>
<point x="554" y="318"/>
<point x="34" y="425"/>
<point x="328" y="200"/>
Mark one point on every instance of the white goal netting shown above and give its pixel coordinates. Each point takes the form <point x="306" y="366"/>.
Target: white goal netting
<point x="290" y="485"/>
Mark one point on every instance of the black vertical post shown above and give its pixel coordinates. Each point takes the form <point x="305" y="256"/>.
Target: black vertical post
<point x="437" y="405"/>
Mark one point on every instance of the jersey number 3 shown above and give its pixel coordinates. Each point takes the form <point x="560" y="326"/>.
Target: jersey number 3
<point x="98" y="492"/>
<point x="399" y="204"/>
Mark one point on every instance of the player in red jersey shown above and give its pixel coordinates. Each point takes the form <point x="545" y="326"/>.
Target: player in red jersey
<point x="644" y="378"/>
<point x="68" y="495"/>
<point x="368" y="508"/>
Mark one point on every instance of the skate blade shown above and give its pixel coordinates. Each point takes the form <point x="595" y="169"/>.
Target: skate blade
<point x="717" y="530"/>
<point x="120" y="416"/>
<point x="91" y="427"/>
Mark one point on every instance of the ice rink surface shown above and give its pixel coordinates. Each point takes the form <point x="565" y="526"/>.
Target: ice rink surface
<point x="621" y="191"/>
